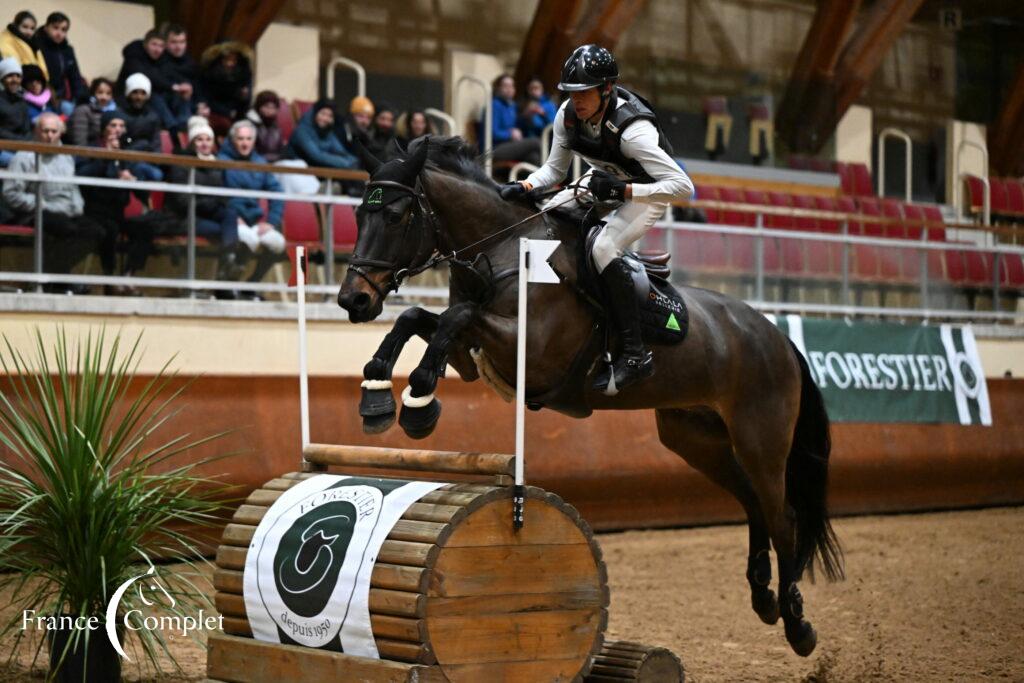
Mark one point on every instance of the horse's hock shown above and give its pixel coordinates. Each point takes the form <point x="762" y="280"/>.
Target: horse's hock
<point x="455" y="593"/>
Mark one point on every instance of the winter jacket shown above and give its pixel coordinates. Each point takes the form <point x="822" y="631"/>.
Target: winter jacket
<point x="13" y="45"/>
<point x="143" y="127"/>
<point x="37" y="104"/>
<point x="14" y="121"/>
<point x="228" y="92"/>
<point x="62" y="67"/>
<point x="62" y="198"/>
<point x="85" y="122"/>
<point x="270" y="142"/>
<point x="181" y="69"/>
<point x="533" y="125"/>
<point x="136" y="61"/>
<point x="207" y="206"/>
<point x="318" y="146"/>
<point x="109" y="202"/>
<point x="503" y="119"/>
<point x="248" y="208"/>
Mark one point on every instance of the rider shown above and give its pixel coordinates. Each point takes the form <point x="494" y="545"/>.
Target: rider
<point x="617" y="134"/>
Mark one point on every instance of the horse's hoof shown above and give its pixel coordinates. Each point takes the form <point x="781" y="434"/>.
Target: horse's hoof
<point x="378" y="424"/>
<point x="802" y="638"/>
<point x="419" y="415"/>
<point x="377" y="406"/>
<point x="766" y="605"/>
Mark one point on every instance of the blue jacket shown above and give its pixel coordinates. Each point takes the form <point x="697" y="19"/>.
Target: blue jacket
<point x="318" y="147"/>
<point x="504" y="119"/>
<point x="534" y="124"/>
<point x="248" y="208"/>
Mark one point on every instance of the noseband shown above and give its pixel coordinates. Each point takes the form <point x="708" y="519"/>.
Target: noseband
<point x="421" y="260"/>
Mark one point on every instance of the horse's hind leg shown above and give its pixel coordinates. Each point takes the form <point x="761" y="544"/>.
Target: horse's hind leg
<point x="702" y="440"/>
<point x="420" y="409"/>
<point x="377" y="406"/>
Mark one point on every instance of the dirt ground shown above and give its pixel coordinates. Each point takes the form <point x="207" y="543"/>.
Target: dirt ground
<point x="934" y="597"/>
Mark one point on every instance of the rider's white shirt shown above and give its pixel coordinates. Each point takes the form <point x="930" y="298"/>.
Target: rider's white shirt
<point x="639" y="141"/>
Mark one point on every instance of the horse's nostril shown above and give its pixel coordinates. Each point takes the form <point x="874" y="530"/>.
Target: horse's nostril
<point x="361" y="301"/>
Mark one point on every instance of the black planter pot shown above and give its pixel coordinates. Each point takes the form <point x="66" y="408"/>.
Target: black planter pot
<point x="96" y="663"/>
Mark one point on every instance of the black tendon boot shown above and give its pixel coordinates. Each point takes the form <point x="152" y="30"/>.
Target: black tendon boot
<point x="635" y="362"/>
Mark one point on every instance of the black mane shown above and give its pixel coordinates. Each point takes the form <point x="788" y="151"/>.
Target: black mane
<point x="455" y="155"/>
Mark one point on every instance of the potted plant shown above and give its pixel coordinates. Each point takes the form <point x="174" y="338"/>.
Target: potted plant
<point x="94" y="506"/>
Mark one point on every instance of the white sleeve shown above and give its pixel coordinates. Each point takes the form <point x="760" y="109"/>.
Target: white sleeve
<point x="640" y="142"/>
<point x="557" y="165"/>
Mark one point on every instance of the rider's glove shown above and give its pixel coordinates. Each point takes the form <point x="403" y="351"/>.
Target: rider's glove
<point x="607" y="187"/>
<point x="512" y="190"/>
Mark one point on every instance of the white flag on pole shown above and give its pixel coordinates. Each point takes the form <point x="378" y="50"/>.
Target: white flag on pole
<point x="539" y="269"/>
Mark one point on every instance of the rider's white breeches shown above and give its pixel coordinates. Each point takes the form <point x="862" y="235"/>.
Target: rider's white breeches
<point x="625" y="225"/>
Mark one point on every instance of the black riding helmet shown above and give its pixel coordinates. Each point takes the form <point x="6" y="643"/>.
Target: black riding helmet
<point x="589" y="66"/>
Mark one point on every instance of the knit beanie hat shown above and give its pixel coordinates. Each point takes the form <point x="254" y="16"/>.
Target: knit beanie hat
<point x="137" y="81"/>
<point x="322" y="104"/>
<point x="198" y="125"/>
<point x="266" y="97"/>
<point x="31" y="73"/>
<point x="108" y="116"/>
<point x="9" y="66"/>
<point x="361" y="105"/>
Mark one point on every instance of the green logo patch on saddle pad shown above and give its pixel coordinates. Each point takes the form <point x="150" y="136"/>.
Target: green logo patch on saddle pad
<point x="672" y="324"/>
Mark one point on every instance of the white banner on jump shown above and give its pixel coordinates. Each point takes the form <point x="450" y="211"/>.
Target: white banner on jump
<point x="307" y="572"/>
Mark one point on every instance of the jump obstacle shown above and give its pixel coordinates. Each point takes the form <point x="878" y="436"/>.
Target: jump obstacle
<point x="457" y="592"/>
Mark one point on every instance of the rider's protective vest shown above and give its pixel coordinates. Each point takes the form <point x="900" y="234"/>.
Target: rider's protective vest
<point x="606" y="150"/>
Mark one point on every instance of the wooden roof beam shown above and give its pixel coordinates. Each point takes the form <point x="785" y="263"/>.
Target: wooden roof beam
<point x="1006" y="135"/>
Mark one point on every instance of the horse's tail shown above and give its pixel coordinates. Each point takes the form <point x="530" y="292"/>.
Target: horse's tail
<point x="807" y="481"/>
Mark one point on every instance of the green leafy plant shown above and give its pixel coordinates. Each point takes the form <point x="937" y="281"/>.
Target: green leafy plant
<point x="88" y="501"/>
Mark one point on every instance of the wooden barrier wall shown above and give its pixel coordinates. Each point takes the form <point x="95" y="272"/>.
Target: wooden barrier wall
<point x="611" y="466"/>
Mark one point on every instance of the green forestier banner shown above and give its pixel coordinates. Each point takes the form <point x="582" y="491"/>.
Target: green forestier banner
<point x="886" y="372"/>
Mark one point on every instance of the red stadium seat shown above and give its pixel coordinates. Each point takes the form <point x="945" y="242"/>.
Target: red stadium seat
<point x="300" y="224"/>
<point x="1015" y="197"/>
<point x="999" y="202"/>
<point x="772" y="263"/>
<point x="134" y="208"/>
<point x="978" y="265"/>
<point x="1011" y="270"/>
<point x="300" y="107"/>
<point x="285" y="120"/>
<point x="712" y="248"/>
<point x="866" y="256"/>
<point x="345" y="229"/>
<point x="845" y="177"/>
<point x="166" y="144"/>
<point x="156" y="200"/>
<point x="975" y="190"/>
<point x="862" y="185"/>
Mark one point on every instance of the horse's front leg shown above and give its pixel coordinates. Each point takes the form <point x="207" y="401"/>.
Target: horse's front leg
<point x="420" y="409"/>
<point x="377" y="405"/>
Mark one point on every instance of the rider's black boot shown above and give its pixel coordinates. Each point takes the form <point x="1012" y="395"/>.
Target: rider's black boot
<point x="635" y="362"/>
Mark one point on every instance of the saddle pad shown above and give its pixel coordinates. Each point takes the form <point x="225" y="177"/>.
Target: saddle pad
<point x="663" y="315"/>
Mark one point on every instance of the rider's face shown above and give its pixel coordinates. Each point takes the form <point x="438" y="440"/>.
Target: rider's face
<point x="586" y="102"/>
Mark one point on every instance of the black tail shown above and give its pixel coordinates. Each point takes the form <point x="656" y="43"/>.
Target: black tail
<point x="807" y="482"/>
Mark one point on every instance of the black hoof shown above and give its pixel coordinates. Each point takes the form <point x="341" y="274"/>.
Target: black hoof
<point x="419" y="423"/>
<point x="377" y="408"/>
<point x="766" y="605"/>
<point x="802" y="638"/>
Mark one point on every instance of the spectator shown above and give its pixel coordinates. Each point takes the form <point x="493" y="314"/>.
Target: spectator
<point x="68" y="235"/>
<point x="225" y="77"/>
<point x="257" y="230"/>
<point x="106" y="205"/>
<point x="356" y="124"/>
<point x="381" y="133"/>
<point x="314" y="141"/>
<point x="143" y="125"/>
<point x="270" y="142"/>
<point x="411" y="125"/>
<point x="145" y="57"/>
<point x="507" y="140"/>
<point x="14" y="123"/>
<point x="182" y="72"/>
<point x="18" y="41"/>
<point x="538" y="111"/>
<point x="38" y="97"/>
<point x="85" y="120"/>
<point x="61" y="64"/>
<point x="215" y="219"/>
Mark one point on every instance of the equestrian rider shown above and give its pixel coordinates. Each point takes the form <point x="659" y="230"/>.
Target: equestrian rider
<point x="617" y="134"/>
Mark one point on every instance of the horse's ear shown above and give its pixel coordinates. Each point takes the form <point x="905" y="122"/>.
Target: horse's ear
<point x="414" y="164"/>
<point x="370" y="162"/>
<point x="395" y="149"/>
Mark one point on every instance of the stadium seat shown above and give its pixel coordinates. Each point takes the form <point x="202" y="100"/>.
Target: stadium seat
<point x="978" y="265"/>
<point x="743" y="257"/>
<point x="975" y="193"/>
<point x="285" y="120"/>
<point x="1011" y="270"/>
<point x="166" y="144"/>
<point x="712" y="248"/>
<point x="300" y="107"/>
<point x="301" y="225"/>
<point x="135" y="207"/>
<point x="345" y="229"/>
<point x="1015" y="197"/>
<point x="821" y="258"/>
<point x="862" y="185"/>
<point x="845" y="177"/>
<point x="866" y="257"/>
<point x="999" y="202"/>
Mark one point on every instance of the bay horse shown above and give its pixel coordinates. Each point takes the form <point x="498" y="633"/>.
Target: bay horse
<point x="734" y="398"/>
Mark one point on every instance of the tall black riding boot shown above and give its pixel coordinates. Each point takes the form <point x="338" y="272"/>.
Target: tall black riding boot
<point x="635" y="362"/>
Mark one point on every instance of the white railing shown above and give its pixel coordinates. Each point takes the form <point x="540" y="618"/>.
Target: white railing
<point x="488" y="116"/>
<point x="354" y="66"/>
<point x="448" y="119"/>
<point x="958" y="185"/>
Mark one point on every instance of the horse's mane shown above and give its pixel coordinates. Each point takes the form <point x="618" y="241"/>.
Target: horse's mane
<point x="455" y="155"/>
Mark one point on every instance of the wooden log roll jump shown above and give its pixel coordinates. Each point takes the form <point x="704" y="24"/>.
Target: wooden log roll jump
<point x="455" y="593"/>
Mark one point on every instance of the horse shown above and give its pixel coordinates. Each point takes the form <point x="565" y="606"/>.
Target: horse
<point x="735" y="399"/>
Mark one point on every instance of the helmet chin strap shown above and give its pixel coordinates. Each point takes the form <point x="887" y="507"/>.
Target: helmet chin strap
<point x="604" y="92"/>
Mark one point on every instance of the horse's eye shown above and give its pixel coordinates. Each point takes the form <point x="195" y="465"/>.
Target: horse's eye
<point x="393" y="217"/>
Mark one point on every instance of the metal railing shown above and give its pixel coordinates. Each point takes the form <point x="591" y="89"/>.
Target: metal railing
<point x="908" y="172"/>
<point x="448" y="119"/>
<point x="354" y="66"/>
<point x="958" y="184"/>
<point x="488" y="116"/>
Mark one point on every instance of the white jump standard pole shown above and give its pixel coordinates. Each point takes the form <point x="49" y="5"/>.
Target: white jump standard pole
<point x="300" y="293"/>
<point x="518" y="491"/>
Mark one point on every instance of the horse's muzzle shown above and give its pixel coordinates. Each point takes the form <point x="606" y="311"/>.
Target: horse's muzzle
<point x="359" y="304"/>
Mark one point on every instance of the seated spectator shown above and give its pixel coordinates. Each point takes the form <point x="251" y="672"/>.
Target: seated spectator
<point x="216" y="220"/>
<point x="106" y="206"/>
<point x="61" y="64"/>
<point x="411" y="125"/>
<point x="538" y="111"/>
<point x="143" y="125"/>
<point x="225" y="77"/>
<point x="14" y="123"/>
<point x="68" y="235"/>
<point x="143" y="57"/>
<point x="182" y="72"/>
<point x="270" y="142"/>
<point x="356" y="124"/>
<point x="378" y="139"/>
<point x="257" y="230"/>
<point x="38" y="97"/>
<point x="18" y="41"/>
<point x="314" y="141"/>
<point x="507" y="139"/>
<point x="85" y="119"/>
